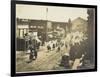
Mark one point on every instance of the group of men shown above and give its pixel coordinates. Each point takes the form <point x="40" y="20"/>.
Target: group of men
<point x="55" y="44"/>
<point x="32" y="44"/>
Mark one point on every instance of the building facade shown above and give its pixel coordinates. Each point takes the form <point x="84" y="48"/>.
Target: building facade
<point x="41" y="27"/>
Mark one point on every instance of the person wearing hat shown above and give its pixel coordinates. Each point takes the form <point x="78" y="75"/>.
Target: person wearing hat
<point x="65" y="61"/>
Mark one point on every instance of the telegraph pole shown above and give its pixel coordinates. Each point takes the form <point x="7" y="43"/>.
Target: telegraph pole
<point x="46" y="24"/>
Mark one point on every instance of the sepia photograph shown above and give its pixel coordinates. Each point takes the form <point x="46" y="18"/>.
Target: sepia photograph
<point x="54" y="38"/>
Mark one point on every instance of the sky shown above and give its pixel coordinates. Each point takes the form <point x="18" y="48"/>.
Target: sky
<point x="54" y="13"/>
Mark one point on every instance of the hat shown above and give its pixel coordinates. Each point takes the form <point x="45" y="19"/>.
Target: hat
<point x="67" y="54"/>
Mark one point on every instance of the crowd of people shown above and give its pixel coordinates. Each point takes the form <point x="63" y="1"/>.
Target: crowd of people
<point x="71" y="41"/>
<point x="32" y="44"/>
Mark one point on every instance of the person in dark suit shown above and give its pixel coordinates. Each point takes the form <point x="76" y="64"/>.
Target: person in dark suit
<point x="33" y="49"/>
<point x="65" y="61"/>
<point x="48" y="48"/>
<point x="78" y="51"/>
<point x="53" y="46"/>
<point x="26" y="37"/>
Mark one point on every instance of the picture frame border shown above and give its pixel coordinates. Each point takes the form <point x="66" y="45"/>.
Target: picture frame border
<point x="13" y="37"/>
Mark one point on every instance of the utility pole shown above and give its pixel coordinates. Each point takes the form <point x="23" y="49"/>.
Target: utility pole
<point x="47" y="24"/>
